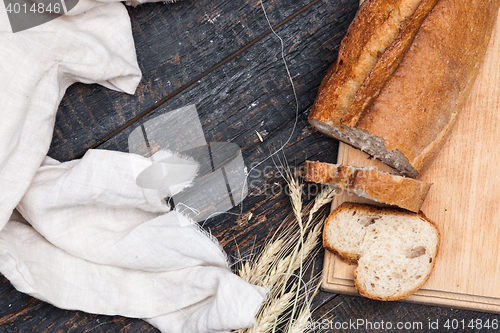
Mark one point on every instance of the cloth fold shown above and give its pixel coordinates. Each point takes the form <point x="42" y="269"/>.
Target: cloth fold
<point x="48" y="273"/>
<point x="90" y="238"/>
<point x="92" y="45"/>
<point x="94" y="210"/>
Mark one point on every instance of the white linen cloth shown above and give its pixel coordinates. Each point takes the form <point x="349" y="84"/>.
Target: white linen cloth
<point x="89" y="238"/>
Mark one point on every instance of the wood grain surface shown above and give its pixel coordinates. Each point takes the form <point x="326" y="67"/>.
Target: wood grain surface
<point x="178" y="45"/>
<point x="221" y="56"/>
<point x="463" y="201"/>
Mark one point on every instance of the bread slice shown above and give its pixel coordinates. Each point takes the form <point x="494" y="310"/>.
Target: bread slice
<point x="370" y="183"/>
<point x="395" y="249"/>
<point x="398" y="99"/>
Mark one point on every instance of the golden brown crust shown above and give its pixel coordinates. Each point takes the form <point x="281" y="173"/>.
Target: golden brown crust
<point x="366" y="294"/>
<point x="420" y="100"/>
<point x="386" y="19"/>
<point x="375" y="210"/>
<point x="351" y="259"/>
<point x="381" y="186"/>
<point x="386" y="65"/>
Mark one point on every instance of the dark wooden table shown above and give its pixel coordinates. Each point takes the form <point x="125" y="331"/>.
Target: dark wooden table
<point x="222" y="56"/>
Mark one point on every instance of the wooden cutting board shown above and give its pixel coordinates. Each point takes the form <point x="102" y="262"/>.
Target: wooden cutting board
<point x="464" y="201"/>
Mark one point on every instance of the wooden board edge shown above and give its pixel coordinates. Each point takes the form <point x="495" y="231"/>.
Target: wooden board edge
<point x="422" y="296"/>
<point x="333" y="284"/>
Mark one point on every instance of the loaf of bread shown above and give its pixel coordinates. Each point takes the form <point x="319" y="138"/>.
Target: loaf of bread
<point x="395" y="250"/>
<point x="370" y="183"/>
<point x="403" y="73"/>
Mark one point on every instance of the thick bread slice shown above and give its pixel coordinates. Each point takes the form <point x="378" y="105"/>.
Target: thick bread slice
<point x="404" y="109"/>
<point x="395" y="250"/>
<point x="370" y="183"/>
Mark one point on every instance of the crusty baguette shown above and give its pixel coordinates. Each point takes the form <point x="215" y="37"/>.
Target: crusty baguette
<point x="398" y="100"/>
<point x="395" y="250"/>
<point x="407" y="193"/>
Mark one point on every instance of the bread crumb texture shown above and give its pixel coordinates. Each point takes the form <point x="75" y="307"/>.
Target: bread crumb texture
<point x="395" y="249"/>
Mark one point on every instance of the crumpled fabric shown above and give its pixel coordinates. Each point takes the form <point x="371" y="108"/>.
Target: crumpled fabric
<point x="88" y="237"/>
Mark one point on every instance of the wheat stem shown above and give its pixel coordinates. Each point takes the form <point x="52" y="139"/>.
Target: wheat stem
<point x="292" y="247"/>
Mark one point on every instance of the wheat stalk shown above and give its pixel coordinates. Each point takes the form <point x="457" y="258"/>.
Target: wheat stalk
<point x="264" y="261"/>
<point x="311" y="242"/>
<point x="307" y="245"/>
<point x="323" y="198"/>
<point x="291" y="248"/>
<point x="300" y="324"/>
<point x="302" y="321"/>
<point x="271" y="313"/>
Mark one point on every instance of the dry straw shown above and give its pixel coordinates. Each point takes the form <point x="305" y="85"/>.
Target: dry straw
<point x="281" y="262"/>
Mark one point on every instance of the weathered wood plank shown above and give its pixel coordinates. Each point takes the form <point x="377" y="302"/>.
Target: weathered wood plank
<point x="232" y="106"/>
<point x="5" y="285"/>
<point x="267" y="201"/>
<point x="32" y="317"/>
<point x="248" y="90"/>
<point x="176" y="44"/>
<point x="10" y="299"/>
<point x="346" y="310"/>
<point x="38" y="316"/>
<point x="252" y="93"/>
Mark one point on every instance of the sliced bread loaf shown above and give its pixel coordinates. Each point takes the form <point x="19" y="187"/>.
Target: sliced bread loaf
<point x="370" y="183"/>
<point x="395" y="249"/>
<point x="396" y="90"/>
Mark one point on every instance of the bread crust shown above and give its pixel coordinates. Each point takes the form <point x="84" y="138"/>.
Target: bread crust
<point x="360" y="51"/>
<point x="380" y="186"/>
<point x="352" y="258"/>
<point x="420" y="100"/>
<point x="386" y="65"/>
